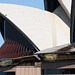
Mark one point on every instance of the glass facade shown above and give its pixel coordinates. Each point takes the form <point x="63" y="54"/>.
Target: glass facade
<point x="10" y="31"/>
<point x="17" y="45"/>
<point x="58" y="71"/>
<point x="13" y="33"/>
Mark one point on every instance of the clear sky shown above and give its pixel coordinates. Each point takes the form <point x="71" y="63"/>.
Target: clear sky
<point x="1" y="40"/>
<point x="32" y="3"/>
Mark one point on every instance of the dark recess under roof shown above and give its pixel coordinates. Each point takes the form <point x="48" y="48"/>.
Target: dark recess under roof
<point x="72" y="25"/>
<point x="51" y="5"/>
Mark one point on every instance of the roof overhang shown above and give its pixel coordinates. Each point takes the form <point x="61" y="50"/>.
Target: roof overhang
<point x="64" y="52"/>
<point x="58" y="49"/>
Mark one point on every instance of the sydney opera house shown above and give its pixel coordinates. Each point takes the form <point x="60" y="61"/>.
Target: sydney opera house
<point x="38" y="42"/>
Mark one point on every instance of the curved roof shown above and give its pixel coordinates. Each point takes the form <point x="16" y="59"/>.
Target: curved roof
<point x="43" y="28"/>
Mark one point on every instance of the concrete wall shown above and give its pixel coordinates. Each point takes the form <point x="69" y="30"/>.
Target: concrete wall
<point x="25" y="70"/>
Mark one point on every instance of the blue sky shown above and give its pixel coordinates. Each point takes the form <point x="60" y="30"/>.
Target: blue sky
<point x="32" y="3"/>
<point x="1" y="40"/>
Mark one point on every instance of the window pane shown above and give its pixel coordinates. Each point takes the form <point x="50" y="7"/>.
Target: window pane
<point x="58" y="71"/>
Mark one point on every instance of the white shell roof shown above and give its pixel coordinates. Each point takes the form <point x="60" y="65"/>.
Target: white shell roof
<point x="66" y="4"/>
<point x="43" y="28"/>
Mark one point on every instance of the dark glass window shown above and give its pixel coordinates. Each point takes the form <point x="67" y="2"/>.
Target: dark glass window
<point x="58" y="71"/>
<point x="11" y="32"/>
<point x="7" y="73"/>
